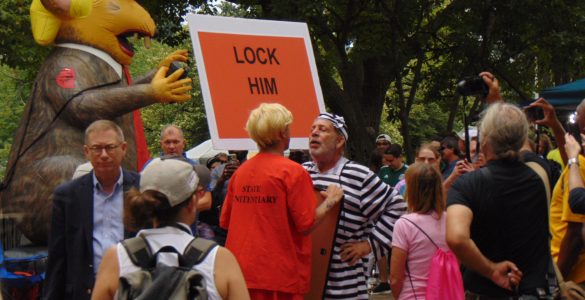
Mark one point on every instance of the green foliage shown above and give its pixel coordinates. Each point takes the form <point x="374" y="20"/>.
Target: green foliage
<point x="426" y="121"/>
<point x="406" y="56"/>
<point x="17" y="46"/>
<point x="12" y="103"/>
<point x="189" y="116"/>
<point x="169" y="16"/>
<point x="432" y="124"/>
<point x="391" y="128"/>
<point x="414" y="52"/>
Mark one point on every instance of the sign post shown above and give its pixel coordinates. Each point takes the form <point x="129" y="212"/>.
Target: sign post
<point x="244" y="62"/>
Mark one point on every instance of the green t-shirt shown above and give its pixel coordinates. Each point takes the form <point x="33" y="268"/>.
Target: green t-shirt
<point x="390" y="176"/>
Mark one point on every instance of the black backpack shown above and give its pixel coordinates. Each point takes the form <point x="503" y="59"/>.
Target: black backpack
<point x="159" y="281"/>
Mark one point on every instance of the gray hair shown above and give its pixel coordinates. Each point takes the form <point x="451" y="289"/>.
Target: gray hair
<point x="504" y="128"/>
<point x="104" y="125"/>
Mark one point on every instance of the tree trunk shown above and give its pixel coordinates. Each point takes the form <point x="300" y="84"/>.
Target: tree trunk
<point x="360" y="101"/>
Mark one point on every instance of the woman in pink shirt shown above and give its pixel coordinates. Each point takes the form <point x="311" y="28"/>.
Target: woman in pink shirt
<point x="412" y="251"/>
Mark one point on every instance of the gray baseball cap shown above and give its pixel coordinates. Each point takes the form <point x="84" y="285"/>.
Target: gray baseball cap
<point x="174" y="178"/>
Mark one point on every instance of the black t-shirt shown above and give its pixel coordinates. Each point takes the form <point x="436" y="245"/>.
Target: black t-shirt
<point x="510" y="222"/>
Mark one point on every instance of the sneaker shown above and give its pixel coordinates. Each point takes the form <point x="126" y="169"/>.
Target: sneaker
<point x="382" y="288"/>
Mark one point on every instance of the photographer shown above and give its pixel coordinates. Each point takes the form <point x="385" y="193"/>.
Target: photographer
<point x="497" y="216"/>
<point x="565" y="226"/>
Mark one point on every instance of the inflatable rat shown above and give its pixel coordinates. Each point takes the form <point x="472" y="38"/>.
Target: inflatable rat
<point x="83" y="79"/>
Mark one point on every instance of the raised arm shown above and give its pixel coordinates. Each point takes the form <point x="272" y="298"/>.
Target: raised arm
<point x="572" y="148"/>
<point x="551" y="121"/>
<point x="493" y="84"/>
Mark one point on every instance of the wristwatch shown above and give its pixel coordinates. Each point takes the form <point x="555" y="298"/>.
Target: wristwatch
<point x="573" y="161"/>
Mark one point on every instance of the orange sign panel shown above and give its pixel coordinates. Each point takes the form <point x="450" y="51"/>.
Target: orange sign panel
<point x="244" y="62"/>
<point x="245" y="70"/>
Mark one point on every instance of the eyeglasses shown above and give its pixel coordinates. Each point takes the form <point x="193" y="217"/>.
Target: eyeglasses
<point x="382" y="143"/>
<point x="99" y="149"/>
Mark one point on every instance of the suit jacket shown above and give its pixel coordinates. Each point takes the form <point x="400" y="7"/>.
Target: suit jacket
<point x="70" y="270"/>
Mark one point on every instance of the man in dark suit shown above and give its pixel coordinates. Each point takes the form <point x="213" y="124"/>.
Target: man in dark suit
<point x="88" y="215"/>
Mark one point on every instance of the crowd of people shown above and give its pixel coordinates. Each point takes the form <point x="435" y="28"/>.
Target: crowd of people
<point x="494" y="212"/>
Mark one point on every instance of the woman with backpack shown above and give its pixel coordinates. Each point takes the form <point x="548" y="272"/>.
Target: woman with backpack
<point x="168" y="196"/>
<point x="419" y="237"/>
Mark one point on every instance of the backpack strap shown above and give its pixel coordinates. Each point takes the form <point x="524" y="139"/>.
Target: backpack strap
<point x="421" y="231"/>
<point x="196" y="251"/>
<point x="554" y="277"/>
<point x="139" y="251"/>
<point x="539" y="170"/>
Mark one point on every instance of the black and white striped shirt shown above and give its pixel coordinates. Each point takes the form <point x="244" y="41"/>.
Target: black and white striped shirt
<point x="370" y="209"/>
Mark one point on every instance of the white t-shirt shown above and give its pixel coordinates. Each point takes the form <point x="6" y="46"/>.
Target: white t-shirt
<point x="419" y="249"/>
<point x="160" y="237"/>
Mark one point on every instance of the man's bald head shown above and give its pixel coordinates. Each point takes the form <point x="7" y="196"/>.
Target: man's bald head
<point x="172" y="140"/>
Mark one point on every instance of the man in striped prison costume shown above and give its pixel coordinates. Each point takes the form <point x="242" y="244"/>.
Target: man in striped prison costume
<point x="369" y="210"/>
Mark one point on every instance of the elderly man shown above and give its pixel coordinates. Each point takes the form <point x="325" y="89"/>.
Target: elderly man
<point x="88" y="215"/>
<point x="497" y="221"/>
<point x="370" y="208"/>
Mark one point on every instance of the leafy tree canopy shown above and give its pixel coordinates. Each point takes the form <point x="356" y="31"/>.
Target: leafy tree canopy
<point x="376" y="54"/>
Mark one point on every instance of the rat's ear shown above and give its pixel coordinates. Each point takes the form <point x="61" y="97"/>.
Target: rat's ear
<point x="45" y="23"/>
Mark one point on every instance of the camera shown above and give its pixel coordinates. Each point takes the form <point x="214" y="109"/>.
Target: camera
<point x="573" y="129"/>
<point x="534" y="113"/>
<point x="472" y="86"/>
<point x="232" y="158"/>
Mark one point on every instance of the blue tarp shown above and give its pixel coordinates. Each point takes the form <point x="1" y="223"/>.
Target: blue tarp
<point x="569" y="94"/>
